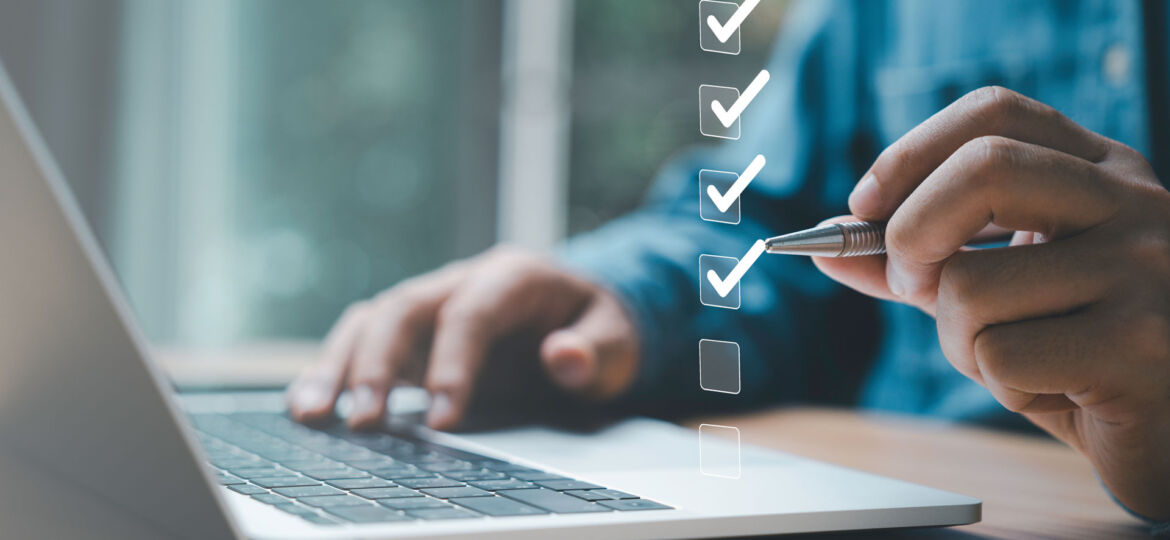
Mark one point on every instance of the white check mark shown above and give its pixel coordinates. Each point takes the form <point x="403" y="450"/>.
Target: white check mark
<point x="723" y="32"/>
<point x="725" y="286"/>
<point x="723" y="201"/>
<point x="728" y="116"/>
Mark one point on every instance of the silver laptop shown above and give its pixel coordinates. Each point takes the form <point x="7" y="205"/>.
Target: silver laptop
<point x="94" y="443"/>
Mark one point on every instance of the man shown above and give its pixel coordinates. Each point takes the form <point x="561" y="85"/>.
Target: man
<point x="1069" y="326"/>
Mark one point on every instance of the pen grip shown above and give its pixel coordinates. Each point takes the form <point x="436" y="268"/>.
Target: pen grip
<point x="863" y="238"/>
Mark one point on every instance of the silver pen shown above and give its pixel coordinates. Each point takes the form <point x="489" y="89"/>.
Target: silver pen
<point x="850" y="239"/>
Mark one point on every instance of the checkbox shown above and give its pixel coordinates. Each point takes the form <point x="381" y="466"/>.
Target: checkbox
<point x="722" y="266"/>
<point x="722" y="180"/>
<point x="719" y="451"/>
<point x="709" y="123"/>
<point x="719" y="366"/>
<point x="722" y="11"/>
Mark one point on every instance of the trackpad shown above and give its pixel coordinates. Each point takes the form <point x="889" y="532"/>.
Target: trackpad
<point x="633" y="445"/>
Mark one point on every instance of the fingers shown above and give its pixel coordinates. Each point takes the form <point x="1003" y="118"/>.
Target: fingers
<point x="982" y="288"/>
<point x="514" y="292"/>
<point x="987" y="111"/>
<point x="1013" y="184"/>
<point x="866" y="274"/>
<point x="1049" y="364"/>
<point x="312" y="396"/>
<point x="595" y="355"/>
<point x="397" y="327"/>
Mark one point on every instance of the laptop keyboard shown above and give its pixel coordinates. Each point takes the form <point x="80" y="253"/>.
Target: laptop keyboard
<point x="335" y="476"/>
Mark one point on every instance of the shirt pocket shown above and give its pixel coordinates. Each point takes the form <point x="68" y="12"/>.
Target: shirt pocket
<point x="905" y="96"/>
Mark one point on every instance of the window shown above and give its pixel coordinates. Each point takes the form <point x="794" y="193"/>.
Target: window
<point x="253" y="167"/>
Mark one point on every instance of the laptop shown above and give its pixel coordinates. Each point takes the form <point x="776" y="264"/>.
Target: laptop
<point x="95" y="443"/>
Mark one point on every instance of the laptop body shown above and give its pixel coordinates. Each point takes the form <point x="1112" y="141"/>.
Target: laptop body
<point x="94" y="443"/>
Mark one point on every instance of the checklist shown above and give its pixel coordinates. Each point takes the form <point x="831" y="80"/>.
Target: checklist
<point x="721" y="112"/>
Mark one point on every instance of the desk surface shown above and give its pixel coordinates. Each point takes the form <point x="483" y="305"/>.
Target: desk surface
<point x="1031" y="487"/>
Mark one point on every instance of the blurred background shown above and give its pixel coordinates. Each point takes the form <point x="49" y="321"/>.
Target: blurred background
<point x="251" y="167"/>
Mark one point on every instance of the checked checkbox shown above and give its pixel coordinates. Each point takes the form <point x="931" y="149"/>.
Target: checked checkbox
<point x="726" y="40"/>
<point x="719" y="191"/>
<point x="720" y="107"/>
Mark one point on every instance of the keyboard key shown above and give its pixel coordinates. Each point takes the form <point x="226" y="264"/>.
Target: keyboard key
<point x="634" y="504"/>
<point x="589" y="495"/>
<point x="445" y="466"/>
<point x="413" y="503"/>
<point x="386" y="493"/>
<point x="441" y="513"/>
<point x="334" y="474"/>
<point x="284" y="481"/>
<point x="533" y="476"/>
<point x="228" y="480"/>
<point x="308" y="491"/>
<point x="319" y="519"/>
<point x="553" y="501"/>
<point x="399" y="473"/>
<point x="477" y="474"/>
<point x="463" y="491"/>
<point x="496" y="485"/>
<point x="271" y="498"/>
<point x="356" y="483"/>
<point x="498" y="506"/>
<point x="420" y="483"/>
<point x="615" y="494"/>
<point x="296" y="509"/>
<point x="327" y="501"/>
<point x="371" y="464"/>
<point x="312" y="464"/>
<point x="247" y="489"/>
<point x="367" y="514"/>
<point x="231" y="463"/>
<point x="502" y="466"/>
<point x="257" y="472"/>
<point x="563" y="485"/>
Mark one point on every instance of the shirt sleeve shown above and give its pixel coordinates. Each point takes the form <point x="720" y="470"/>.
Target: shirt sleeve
<point x="804" y="122"/>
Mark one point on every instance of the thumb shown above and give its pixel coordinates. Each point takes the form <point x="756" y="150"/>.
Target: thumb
<point x="866" y="275"/>
<point x="596" y="355"/>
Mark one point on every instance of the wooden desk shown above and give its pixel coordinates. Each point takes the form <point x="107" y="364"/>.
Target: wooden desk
<point x="1031" y="487"/>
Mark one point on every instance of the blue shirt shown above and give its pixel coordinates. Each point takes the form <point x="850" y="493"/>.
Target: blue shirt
<point x="848" y="79"/>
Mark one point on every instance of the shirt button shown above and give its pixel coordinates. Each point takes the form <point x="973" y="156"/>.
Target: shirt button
<point x="1117" y="64"/>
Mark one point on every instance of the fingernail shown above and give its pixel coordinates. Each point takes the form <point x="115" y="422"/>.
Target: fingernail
<point x="311" y="397"/>
<point x="439" y="409"/>
<point x="364" y="401"/>
<point x="866" y="199"/>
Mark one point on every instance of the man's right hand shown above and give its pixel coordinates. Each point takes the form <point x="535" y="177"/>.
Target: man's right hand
<point x="440" y="328"/>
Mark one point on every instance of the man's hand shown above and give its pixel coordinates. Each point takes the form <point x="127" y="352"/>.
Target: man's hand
<point x="1070" y="325"/>
<point x="442" y="326"/>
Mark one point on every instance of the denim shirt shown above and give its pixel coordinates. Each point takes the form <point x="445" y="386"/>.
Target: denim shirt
<point x="848" y="79"/>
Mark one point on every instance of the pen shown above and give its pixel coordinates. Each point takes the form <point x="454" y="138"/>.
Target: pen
<point x="849" y="239"/>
